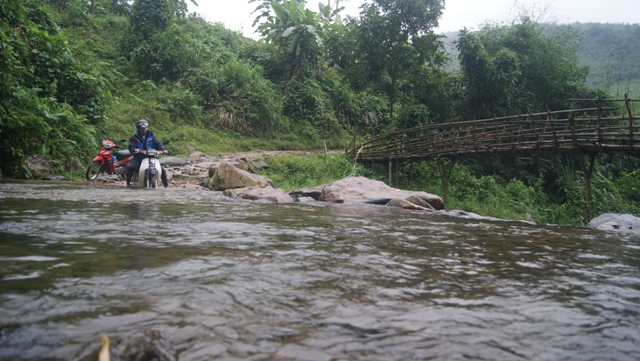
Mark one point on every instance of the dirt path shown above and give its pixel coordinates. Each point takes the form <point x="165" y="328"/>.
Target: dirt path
<point x="273" y="153"/>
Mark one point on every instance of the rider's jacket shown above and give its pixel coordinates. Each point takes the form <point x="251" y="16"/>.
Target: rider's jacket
<point x="144" y="142"/>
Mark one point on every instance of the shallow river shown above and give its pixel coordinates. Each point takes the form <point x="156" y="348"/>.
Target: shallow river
<point x="181" y="274"/>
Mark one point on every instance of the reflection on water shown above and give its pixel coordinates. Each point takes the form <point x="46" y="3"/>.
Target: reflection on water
<point x="191" y="275"/>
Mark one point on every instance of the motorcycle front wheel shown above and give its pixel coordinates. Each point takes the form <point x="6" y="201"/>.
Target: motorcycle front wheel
<point x="153" y="180"/>
<point x="94" y="170"/>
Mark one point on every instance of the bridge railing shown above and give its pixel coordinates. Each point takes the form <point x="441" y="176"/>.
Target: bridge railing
<point x="576" y="130"/>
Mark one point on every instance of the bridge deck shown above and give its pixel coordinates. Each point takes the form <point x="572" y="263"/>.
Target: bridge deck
<point x="579" y="131"/>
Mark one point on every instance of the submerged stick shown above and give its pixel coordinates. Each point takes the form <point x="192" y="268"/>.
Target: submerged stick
<point x="103" y="355"/>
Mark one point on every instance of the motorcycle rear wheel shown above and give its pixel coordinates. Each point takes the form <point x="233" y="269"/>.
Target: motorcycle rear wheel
<point x="94" y="170"/>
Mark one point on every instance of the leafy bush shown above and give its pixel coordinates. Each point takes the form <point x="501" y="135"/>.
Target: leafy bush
<point x="413" y="115"/>
<point x="250" y="103"/>
<point x="181" y="103"/>
<point x="307" y="103"/>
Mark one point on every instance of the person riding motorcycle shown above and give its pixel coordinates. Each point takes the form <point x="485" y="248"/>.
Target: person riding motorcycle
<point x="143" y="140"/>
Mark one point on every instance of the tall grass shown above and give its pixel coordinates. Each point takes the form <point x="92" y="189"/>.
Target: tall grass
<point x="297" y="172"/>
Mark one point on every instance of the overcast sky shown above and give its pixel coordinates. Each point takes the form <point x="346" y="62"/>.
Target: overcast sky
<point x="236" y="14"/>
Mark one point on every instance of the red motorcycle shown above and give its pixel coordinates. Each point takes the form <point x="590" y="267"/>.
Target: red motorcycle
<point x="106" y="162"/>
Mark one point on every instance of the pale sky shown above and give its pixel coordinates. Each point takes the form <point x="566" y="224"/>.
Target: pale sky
<point x="472" y="14"/>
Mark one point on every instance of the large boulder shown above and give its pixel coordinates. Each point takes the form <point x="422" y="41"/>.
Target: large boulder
<point x="226" y="176"/>
<point x="38" y="165"/>
<point x="616" y="222"/>
<point x="268" y="194"/>
<point x="361" y="189"/>
<point x="238" y="163"/>
<point x="74" y="165"/>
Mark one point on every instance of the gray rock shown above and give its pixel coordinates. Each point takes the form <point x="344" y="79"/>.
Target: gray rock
<point x="361" y="189"/>
<point x="227" y="176"/>
<point x="238" y="163"/>
<point x="173" y="161"/>
<point x="314" y="193"/>
<point x="74" y="165"/>
<point x="255" y="193"/>
<point x="53" y="177"/>
<point x="260" y="164"/>
<point x="616" y="222"/>
<point x="38" y="165"/>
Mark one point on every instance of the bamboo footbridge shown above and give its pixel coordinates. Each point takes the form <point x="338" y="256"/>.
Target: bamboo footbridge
<point x="588" y="131"/>
<point x="602" y="129"/>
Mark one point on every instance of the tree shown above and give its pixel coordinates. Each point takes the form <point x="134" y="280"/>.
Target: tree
<point x="394" y="39"/>
<point x="490" y="80"/>
<point x="149" y="17"/>
<point x="297" y="34"/>
<point x="295" y="30"/>
<point x="179" y="8"/>
<point x="520" y="69"/>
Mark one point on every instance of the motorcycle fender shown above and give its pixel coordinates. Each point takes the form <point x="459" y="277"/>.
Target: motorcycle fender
<point x="144" y="164"/>
<point x="98" y="159"/>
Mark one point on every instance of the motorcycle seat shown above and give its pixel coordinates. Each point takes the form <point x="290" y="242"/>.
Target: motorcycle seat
<point x="122" y="154"/>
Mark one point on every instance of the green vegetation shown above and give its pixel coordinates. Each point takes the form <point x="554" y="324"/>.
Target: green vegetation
<point x="609" y="51"/>
<point x="71" y="69"/>
<point x="296" y="172"/>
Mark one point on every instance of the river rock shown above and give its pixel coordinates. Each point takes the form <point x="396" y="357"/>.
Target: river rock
<point x="255" y="193"/>
<point x="260" y="164"/>
<point x="307" y="193"/>
<point x="173" y="161"/>
<point x="226" y="176"/>
<point x="74" y="165"/>
<point x="616" y="222"/>
<point x="361" y="189"/>
<point x="53" y="177"/>
<point x="195" y="155"/>
<point x="38" y="165"/>
<point x="238" y="163"/>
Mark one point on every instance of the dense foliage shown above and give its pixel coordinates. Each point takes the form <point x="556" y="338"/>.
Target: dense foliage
<point x="72" y="68"/>
<point x="48" y="100"/>
<point x="519" y="69"/>
<point x="609" y="51"/>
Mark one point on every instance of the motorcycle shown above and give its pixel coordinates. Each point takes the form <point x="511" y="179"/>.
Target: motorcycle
<point x="150" y="169"/>
<point x="107" y="162"/>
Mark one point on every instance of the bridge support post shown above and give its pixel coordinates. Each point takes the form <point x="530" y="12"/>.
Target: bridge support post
<point x="410" y="173"/>
<point x="444" y="176"/>
<point x="587" y="183"/>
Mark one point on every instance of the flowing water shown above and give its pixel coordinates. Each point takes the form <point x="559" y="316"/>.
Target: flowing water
<point x="176" y="274"/>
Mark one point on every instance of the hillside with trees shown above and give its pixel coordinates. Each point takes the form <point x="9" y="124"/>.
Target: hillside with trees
<point x="610" y="51"/>
<point x="71" y="69"/>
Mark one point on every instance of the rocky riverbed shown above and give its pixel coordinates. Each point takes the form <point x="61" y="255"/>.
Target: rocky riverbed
<point x="236" y="175"/>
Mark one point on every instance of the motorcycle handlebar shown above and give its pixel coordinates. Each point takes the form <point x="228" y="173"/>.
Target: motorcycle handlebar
<point x="159" y="152"/>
